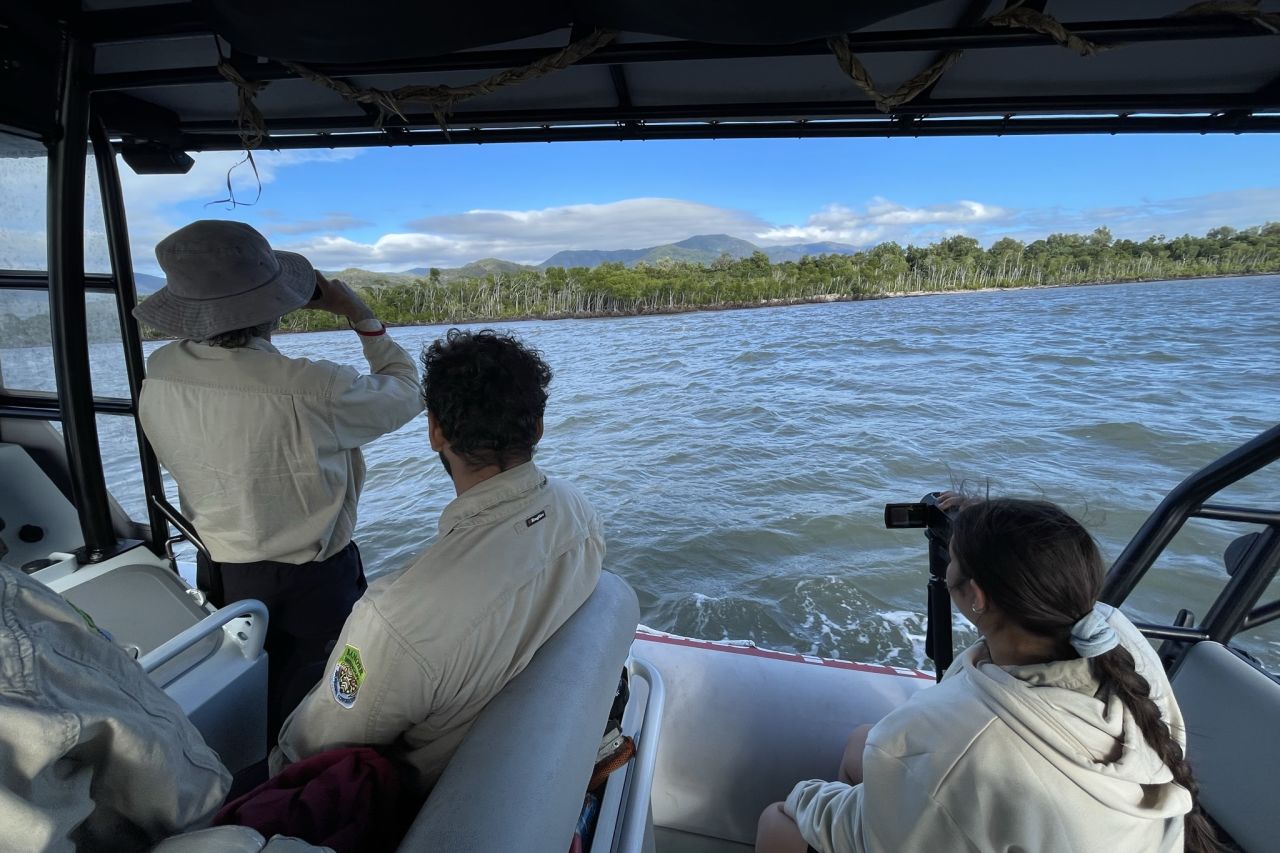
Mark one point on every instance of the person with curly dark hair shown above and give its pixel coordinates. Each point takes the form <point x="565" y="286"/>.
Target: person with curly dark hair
<point x="517" y="553"/>
<point x="1057" y="731"/>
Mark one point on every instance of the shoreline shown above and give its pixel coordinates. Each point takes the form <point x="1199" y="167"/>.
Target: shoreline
<point x="819" y="299"/>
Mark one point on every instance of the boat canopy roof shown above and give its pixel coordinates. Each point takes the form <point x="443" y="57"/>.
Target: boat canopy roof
<point x="230" y="74"/>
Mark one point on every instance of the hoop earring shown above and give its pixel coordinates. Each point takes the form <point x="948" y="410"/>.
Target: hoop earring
<point x="977" y="610"/>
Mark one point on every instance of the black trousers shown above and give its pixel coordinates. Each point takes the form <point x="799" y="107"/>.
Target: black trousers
<point x="308" y="605"/>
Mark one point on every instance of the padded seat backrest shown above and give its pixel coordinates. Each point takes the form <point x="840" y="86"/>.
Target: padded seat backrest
<point x="1232" y="711"/>
<point x="517" y="781"/>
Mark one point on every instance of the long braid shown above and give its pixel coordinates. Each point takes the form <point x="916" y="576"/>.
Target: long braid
<point x="1118" y="676"/>
<point x="995" y="541"/>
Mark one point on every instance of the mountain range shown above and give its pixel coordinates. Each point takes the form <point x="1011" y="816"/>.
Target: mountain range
<point x="700" y="249"/>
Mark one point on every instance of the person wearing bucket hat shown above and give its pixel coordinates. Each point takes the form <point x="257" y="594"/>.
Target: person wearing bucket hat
<point x="265" y="448"/>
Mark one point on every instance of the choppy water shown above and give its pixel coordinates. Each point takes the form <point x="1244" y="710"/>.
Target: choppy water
<point x="742" y="458"/>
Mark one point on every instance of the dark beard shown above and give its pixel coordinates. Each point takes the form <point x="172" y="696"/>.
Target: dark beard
<point x="445" y="463"/>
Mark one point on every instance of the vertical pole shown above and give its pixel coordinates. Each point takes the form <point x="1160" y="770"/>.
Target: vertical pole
<point x="937" y="643"/>
<point x="67" y="304"/>
<point x="130" y="334"/>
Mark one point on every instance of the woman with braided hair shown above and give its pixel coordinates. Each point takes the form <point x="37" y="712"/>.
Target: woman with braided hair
<point x="1057" y="731"/>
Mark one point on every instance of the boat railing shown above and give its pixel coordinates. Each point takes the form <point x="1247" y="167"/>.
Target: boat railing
<point x="1236" y="607"/>
<point x="251" y="642"/>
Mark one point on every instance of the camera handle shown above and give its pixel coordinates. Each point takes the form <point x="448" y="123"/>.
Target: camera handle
<point x="937" y="638"/>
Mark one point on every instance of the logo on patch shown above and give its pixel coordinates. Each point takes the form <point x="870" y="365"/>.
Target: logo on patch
<point x="347" y="677"/>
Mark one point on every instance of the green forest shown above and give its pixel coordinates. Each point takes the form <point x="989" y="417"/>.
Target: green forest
<point x="955" y="263"/>
<point x="889" y="269"/>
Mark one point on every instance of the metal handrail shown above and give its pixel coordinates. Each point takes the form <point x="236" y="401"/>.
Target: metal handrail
<point x="635" y="811"/>
<point x="212" y="623"/>
<point x="184" y="527"/>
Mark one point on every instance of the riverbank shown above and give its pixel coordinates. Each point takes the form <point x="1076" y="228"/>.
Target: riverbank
<point x="816" y="299"/>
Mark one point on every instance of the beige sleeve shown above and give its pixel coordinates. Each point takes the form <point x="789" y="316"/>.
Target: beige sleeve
<point x="892" y="810"/>
<point x="374" y="689"/>
<point x="364" y="407"/>
<point x="829" y="815"/>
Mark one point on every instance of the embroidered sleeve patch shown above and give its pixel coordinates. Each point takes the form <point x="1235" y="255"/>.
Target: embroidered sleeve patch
<point x="348" y="675"/>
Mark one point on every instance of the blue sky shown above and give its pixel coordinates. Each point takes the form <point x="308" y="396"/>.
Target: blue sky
<point x="393" y="209"/>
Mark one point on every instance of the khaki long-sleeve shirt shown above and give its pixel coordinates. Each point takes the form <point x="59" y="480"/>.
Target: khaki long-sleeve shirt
<point x="265" y="448"/>
<point x="425" y="650"/>
<point x="93" y="755"/>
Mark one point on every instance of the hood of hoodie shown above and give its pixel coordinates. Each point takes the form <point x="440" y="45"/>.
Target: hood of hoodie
<point x="1096" y="745"/>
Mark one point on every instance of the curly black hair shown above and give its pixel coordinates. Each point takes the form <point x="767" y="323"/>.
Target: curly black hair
<point x="487" y="392"/>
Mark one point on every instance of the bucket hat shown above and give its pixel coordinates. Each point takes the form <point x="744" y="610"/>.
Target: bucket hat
<point x="223" y="276"/>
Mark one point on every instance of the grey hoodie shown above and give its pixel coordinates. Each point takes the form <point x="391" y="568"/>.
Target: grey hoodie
<point x="1007" y="759"/>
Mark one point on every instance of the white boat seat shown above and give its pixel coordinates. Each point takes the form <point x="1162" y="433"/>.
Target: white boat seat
<point x="518" y="779"/>
<point x="1231" y="710"/>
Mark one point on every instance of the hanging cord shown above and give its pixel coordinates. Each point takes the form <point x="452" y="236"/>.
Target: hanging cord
<point x="231" y="199"/>
<point x="252" y="125"/>
<point x="442" y="99"/>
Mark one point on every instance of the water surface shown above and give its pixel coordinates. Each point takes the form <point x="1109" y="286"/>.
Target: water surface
<point x="742" y="458"/>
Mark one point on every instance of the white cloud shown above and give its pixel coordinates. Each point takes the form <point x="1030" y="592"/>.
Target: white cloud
<point x="532" y="236"/>
<point x="328" y="237"/>
<point x="334" y="221"/>
<point x="149" y="200"/>
<point x="881" y="220"/>
<point x="1171" y="217"/>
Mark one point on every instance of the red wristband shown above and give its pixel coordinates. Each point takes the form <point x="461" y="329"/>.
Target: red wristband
<point x="376" y="334"/>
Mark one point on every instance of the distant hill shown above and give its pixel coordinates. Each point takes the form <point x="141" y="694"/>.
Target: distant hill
<point x="796" y="251"/>
<point x="147" y="283"/>
<point x="475" y="269"/>
<point x="702" y="249"/>
<point x="357" y="277"/>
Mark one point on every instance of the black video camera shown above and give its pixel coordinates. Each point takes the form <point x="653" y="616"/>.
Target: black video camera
<point x="937" y="531"/>
<point x="924" y="513"/>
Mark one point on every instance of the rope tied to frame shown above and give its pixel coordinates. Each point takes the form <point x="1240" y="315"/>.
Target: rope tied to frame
<point x="908" y="91"/>
<point x="1021" y="17"/>
<point x="252" y="124"/>
<point x="1018" y="16"/>
<point x="1013" y="16"/>
<point x="1247" y="10"/>
<point x="442" y="99"/>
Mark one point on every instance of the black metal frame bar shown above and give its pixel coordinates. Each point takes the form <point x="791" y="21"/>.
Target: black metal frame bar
<point x="1234" y="606"/>
<point x="749" y="130"/>
<point x="39" y="281"/>
<point x="68" y="327"/>
<point x="45" y="406"/>
<point x="1244" y="515"/>
<point x="102" y="29"/>
<point x="1179" y="505"/>
<point x="117" y="228"/>
<point x="1171" y="632"/>
<point x="160" y="504"/>
<point x="1262" y="615"/>
<point x="1037" y="107"/>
